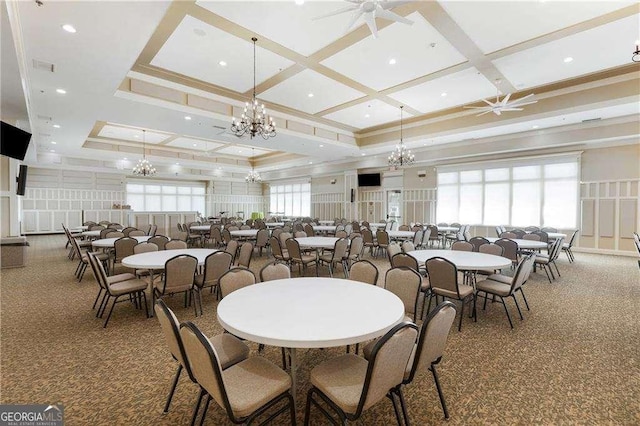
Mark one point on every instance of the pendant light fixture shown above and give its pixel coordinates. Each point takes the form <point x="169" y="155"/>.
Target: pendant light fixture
<point x="144" y="167"/>
<point x="401" y="156"/>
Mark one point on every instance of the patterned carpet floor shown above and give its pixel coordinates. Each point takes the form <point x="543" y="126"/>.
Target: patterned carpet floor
<point x="574" y="359"/>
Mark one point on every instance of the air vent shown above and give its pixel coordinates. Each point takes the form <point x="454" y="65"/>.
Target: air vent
<point x="219" y="127"/>
<point x="43" y="66"/>
<point x="44" y="118"/>
<point x="589" y="120"/>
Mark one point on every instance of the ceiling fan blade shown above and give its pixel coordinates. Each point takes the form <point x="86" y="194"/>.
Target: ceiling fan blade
<point x="476" y="107"/>
<point x="337" y="12"/>
<point x="358" y="2"/>
<point x="511" y="109"/>
<point x="491" y="104"/>
<point x="483" y="113"/>
<point x="505" y="100"/>
<point x="524" y="98"/>
<point x="387" y="14"/>
<point x="354" y="17"/>
<point x="371" y="23"/>
<point x="519" y="104"/>
<point x="386" y="5"/>
<point x="497" y="112"/>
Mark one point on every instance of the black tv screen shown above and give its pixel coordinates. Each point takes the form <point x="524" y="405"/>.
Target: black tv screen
<point x="22" y="180"/>
<point x="13" y="141"/>
<point x="369" y="179"/>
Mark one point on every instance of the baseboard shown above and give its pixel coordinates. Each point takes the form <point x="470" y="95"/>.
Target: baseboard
<point x="604" y="251"/>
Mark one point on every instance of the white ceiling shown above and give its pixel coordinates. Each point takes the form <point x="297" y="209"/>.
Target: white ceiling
<point x="131" y="134"/>
<point x="92" y="64"/>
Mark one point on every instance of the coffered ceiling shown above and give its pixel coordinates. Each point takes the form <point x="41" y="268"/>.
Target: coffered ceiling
<point x="181" y="70"/>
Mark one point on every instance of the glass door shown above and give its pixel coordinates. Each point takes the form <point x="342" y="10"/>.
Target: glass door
<point x="394" y="206"/>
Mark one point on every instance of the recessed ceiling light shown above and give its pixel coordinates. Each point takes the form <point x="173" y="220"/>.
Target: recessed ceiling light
<point x="310" y="95"/>
<point x="177" y="164"/>
<point x="136" y="136"/>
<point x="299" y="2"/>
<point x="535" y="126"/>
<point x="53" y="142"/>
<point x="195" y="144"/>
<point x="186" y="117"/>
<point x="310" y="162"/>
<point x="124" y="158"/>
<point x="367" y="116"/>
<point x="392" y="61"/>
<point x="56" y="126"/>
<point x="363" y="154"/>
<point x="61" y="91"/>
<point x="69" y="28"/>
<point x="321" y="146"/>
<point x="443" y="94"/>
<point x="52" y="150"/>
<point x="568" y="59"/>
<point x="222" y="63"/>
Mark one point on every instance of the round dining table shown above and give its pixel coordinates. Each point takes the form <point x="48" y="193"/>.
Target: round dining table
<point x="327" y="222"/>
<point x="155" y="260"/>
<point x="400" y="234"/>
<point x="91" y="233"/>
<point x="309" y="313"/>
<point x="273" y="224"/>
<point x="324" y="228"/>
<point x="464" y="260"/>
<point x="317" y="242"/>
<point x="448" y="229"/>
<point x="109" y="242"/>
<point x="523" y="244"/>
<point x="200" y="228"/>
<point x="244" y="233"/>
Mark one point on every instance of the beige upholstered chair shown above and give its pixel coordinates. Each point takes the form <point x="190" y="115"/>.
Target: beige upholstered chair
<point x="364" y="271"/>
<point x="510" y="249"/>
<point x="508" y="235"/>
<point x="179" y="273"/>
<point x="407" y="246"/>
<point x="235" y="279"/>
<point x="137" y="233"/>
<point x="104" y="232"/>
<point x="143" y="248"/>
<point x="404" y="228"/>
<point x="382" y="238"/>
<point x="262" y="239"/>
<point x="341" y="234"/>
<point x="245" y="390"/>
<point x="122" y="248"/>
<point x="215" y="265"/>
<point x="276" y="249"/>
<point x="115" y="234"/>
<point x="462" y="246"/>
<point x="566" y="247"/>
<point x="175" y="245"/>
<point x="274" y="271"/>
<point x="128" y="229"/>
<point x="297" y="257"/>
<point x="83" y="260"/>
<point x="116" y="287"/>
<point x="531" y="237"/>
<point x="159" y="240"/>
<point x="336" y="257"/>
<point x="308" y="229"/>
<point x="549" y="229"/>
<point x="476" y="242"/>
<point x="367" y="237"/>
<point x="349" y="384"/>
<point x="245" y="253"/>
<point x="393" y="249"/>
<point x="503" y="286"/>
<point x="355" y="248"/>
<point x="232" y="249"/>
<point x="406" y="283"/>
<point x="545" y="261"/>
<point x="215" y="236"/>
<point x="443" y="277"/>
<point x="229" y="348"/>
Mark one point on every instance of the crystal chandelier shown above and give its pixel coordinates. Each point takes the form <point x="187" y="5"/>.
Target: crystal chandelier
<point x="401" y="156"/>
<point x="254" y="119"/>
<point x="144" y="167"/>
<point x="253" y="176"/>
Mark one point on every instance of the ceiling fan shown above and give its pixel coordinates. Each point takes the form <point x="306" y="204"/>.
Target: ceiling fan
<point x="369" y="10"/>
<point x="500" y="106"/>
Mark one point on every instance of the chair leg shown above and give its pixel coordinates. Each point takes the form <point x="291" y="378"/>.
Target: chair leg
<point x="204" y="411"/>
<point x="546" y="272"/>
<point x="103" y="304"/>
<point x="110" y="311"/>
<point x="391" y="396"/>
<point x="440" y="394"/>
<point x="403" y="405"/>
<point x="97" y="297"/>
<point x="525" y="299"/>
<point x="144" y="300"/>
<point x="517" y="306"/>
<point x="173" y="389"/>
<point x="506" y="310"/>
<point x="461" y="315"/>
<point x="197" y="407"/>
<point x="556" y="265"/>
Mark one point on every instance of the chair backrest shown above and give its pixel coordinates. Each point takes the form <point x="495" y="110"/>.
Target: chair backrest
<point x="393" y="249"/>
<point x="340" y="248"/>
<point x="404" y="259"/>
<point x="276" y="249"/>
<point x="498" y="231"/>
<point x="152" y="230"/>
<point x="284" y="236"/>
<point x="462" y="246"/>
<point x="367" y="236"/>
<point x="348" y="228"/>
<point x="262" y="237"/>
<point x="549" y="229"/>
<point x="179" y="272"/>
<point x="382" y="237"/>
<point x="98" y="271"/>
<point x="128" y="229"/>
<point x="244" y="227"/>
<point x="115" y="234"/>
<point x="293" y="247"/>
<point x="364" y="271"/>
<point x="417" y="237"/>
<point x="575" y="233"/>
<point x="299" y="234"/>
<point x="205" y="364"/>
<point x="432" y="339"/>
<point x="171" y="331"/>
<point x="137" y="233"/>
<point x="531" y="228"/>
<point x="405" y="283"/>
<point x="274" y="271"/>
<point x="510" y="248"/>
<point x="123" y="247"/>
<point x="508" y="235"/>
<point x="226" y="236"/>
<point x="105" y="222"/>
<point x="477" y="242"/>
<point x="531" y="237"/>
<point x="356" y="246"/>
<point x="159" y="240"/>
<point x="407" y="246"/>
<point x="519" y="233"/>
<point x="232" y="248"/>
<point x="309" y="230"/>
<point x="387" y="364"/>
<point x="523" y="271"/>
<point x="181" y="235"/>
<point x="432" y="232"/>
<point x="456" y="225"/>
<point x="493" y="249"/>
<point x="96" y="227"/>
<point x="215" y="265"/>
<point x="235" y="279"/>
<point x="341" y="234"/>
<point x="404" y="228"/>
<point x="244" y="256"/>
<point x="443" y="275"/>
<point x="175" y="245"/>
<point x="555" y="249"/>
<point x="144" y="247"/>
<point x="276" y="232"/>
<point x="105" y="231"/>
<point x="442" y="224"/>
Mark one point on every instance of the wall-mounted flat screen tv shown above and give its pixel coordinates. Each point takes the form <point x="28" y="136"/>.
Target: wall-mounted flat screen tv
<point x="13" y="141"/>
<point x="369" y="179"/>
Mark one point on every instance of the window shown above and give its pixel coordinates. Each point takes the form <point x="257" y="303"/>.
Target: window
<point x="166" y="197"/>
<point x="291" y="199"/>
<point x="541" y="192"/>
